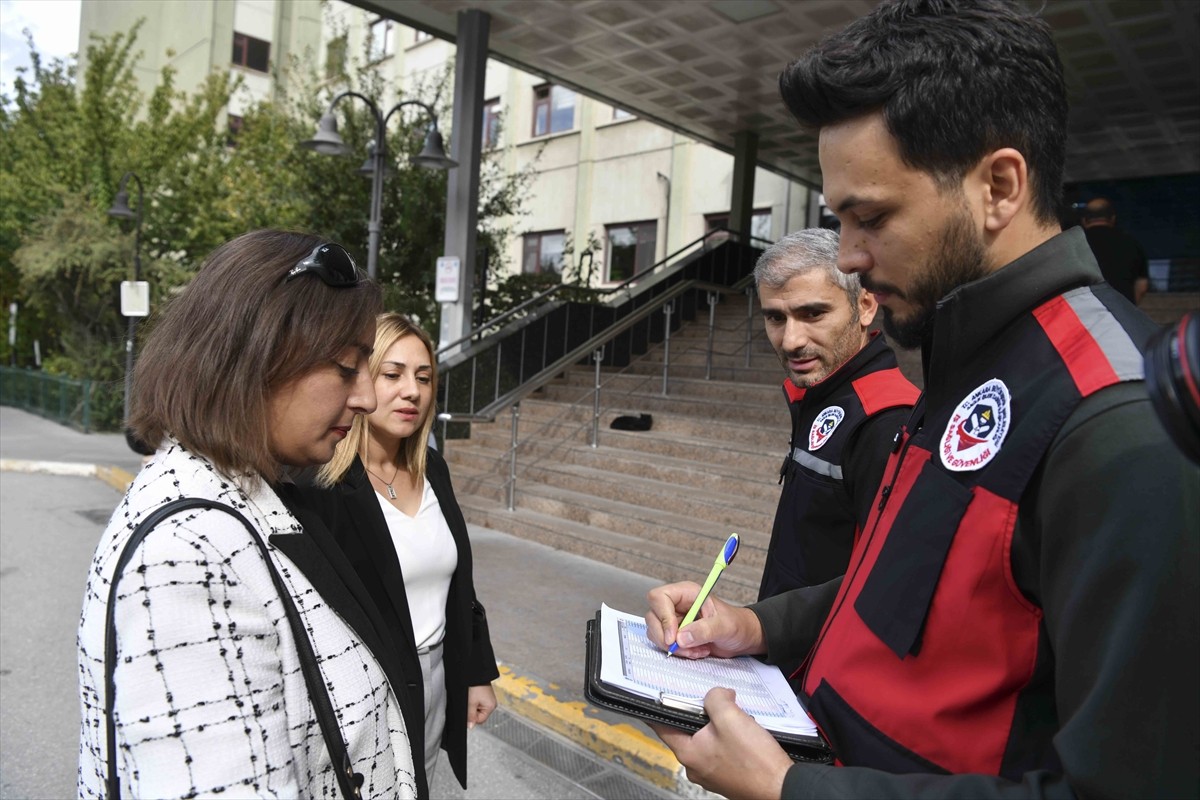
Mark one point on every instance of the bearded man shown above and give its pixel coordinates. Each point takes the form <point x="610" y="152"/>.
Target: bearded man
<point x="1021" y="614"/>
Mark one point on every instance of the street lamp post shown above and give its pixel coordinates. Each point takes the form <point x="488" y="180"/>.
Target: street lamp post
<point x="120" y="209"/>
<point x="327" y="141"/>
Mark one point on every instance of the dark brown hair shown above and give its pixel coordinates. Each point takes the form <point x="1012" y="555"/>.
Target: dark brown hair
<point x="954" y="80"/>
<point x="237" y="333"/>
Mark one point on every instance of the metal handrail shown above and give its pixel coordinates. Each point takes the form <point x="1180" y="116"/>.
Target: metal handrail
<point x="496" y="320"/>
<point x="597" y="355"/>
<point x="488" y="412"/>
<point x="626" y="286"/>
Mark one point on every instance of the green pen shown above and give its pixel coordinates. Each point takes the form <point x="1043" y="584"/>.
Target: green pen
<point x="724" y="559"/>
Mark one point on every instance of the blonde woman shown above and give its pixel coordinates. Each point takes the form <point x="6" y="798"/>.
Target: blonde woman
<point x="392" y="509"/>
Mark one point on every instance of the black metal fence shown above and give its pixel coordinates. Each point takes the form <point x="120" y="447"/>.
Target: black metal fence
<point x="81" y="404"/>
<point x="484" y="374"/>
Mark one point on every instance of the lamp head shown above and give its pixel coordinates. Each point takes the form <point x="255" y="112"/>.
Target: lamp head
<point x="326" y="141"/>
<point x="433" y="154"/>
<point x="367" y="169"/>
<point x="120" y="207"/>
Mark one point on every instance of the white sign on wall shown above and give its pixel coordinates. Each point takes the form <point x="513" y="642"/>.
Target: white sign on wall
<point x="135" y="298"/>
<point x="446" y="285"/>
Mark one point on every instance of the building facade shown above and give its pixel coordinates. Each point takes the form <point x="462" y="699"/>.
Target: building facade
<point x="602" y="175"/>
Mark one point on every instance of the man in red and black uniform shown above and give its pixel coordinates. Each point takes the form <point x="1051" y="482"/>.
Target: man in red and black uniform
<point x="1021" y="614"/>
<point x="847" y="399"/>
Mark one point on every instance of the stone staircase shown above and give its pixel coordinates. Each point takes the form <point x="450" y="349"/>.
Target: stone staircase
<point x="659" y="502"/>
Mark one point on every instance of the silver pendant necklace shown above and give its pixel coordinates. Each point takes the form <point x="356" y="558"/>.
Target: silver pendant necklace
<point x="391" y="493"/>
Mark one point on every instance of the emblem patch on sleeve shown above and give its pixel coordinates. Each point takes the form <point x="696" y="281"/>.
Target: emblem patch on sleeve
<point x="977" y="428"/>
<point x="824" y="426"/>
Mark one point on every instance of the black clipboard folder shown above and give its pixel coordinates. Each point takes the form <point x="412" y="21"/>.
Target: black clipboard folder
<point x="667" y="711"/>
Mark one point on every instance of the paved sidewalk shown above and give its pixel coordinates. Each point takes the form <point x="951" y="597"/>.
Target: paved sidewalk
<point x="538" y="600"/>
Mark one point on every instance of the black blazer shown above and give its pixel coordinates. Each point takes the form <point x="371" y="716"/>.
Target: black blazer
<point x="352" y="512"/>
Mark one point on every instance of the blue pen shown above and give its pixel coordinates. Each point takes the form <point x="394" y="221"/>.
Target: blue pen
<point x="724" y="559"/>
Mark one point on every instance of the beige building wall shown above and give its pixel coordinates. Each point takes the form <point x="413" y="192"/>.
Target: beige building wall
<point x="195" y="37"/>
<point x="601" y="172"/>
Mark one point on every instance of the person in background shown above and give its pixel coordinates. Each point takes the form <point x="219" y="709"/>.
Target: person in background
<point x="846" y="397"/>
<point x="1021" y="614"/>
<point x="256" y="368"/>
<point x="1119" y="255"/>
<point x="390" y="503"/>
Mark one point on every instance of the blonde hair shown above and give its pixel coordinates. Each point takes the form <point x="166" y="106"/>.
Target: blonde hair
<point x="390" y="327"/>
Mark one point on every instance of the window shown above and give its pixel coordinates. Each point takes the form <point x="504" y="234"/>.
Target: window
<point x="553" y="109"/>
<point x="421" y="36"/>
<point x="543" y="252"/>
<point x="251" y="53"/>
<point x="381" y="42"/>
<point x="235" y="128"/>
<point x="760" y="224"/>
<point x="630" y="249"/>
<point x="491" y="123"/>
<point x="620" y="113"/>
<point x="335" y="56"/>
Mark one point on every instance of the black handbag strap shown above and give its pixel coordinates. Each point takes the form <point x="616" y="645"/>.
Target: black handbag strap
<point x="348" y="780"/>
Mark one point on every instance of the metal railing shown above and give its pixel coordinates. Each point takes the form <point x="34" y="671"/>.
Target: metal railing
<point x="488" y="375"/>
<point x="64" y="400"/>
<point x="479" y="382"/>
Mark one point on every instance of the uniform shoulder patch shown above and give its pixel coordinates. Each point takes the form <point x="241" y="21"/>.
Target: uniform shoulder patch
<point x="977" y="428"/>
<point x="824" y="426"/>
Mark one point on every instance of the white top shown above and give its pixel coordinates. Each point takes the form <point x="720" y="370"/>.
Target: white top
<point x="428" y="558"/>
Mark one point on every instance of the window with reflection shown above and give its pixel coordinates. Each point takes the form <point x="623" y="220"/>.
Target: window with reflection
<point x="543" y="252"/>
<point x="553" y="109"/>
<point x="630" y="249"/>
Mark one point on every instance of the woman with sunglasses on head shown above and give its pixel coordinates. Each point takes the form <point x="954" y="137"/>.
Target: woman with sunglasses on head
<point x="226" y="647"/>
<point x="392" y="509"/>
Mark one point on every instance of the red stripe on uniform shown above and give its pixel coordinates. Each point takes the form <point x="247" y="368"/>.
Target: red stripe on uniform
<point x="1089" y="367"/>
<point x="887" y="388"/>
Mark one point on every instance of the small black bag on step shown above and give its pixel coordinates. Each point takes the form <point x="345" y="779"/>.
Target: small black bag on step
<point x="628" y="422"/>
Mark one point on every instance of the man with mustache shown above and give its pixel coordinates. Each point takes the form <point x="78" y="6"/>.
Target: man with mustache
<point x="846" y="398"/>
<point x="1019" y="617"/>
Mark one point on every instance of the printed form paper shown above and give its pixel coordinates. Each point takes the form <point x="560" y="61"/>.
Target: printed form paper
<point x="630" y="661"/>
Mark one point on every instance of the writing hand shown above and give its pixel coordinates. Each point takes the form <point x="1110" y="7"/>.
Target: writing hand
<point x="721" y="629"/>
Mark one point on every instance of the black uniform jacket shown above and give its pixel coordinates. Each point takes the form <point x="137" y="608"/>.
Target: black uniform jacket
<point x="351" y="510"/>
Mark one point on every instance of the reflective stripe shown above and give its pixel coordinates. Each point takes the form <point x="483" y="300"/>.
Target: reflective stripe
<point x="814" y="464"/>
<point x="1123" y="355"/>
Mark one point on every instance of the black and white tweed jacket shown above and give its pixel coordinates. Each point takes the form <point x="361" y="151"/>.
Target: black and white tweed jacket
<point x="210" y="695"/>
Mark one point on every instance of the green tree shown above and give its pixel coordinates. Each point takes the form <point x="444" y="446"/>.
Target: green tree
<point x="63" y="150"/>
<point x="66" y="140"/>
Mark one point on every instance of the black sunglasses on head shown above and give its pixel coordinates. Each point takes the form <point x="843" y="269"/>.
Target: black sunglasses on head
<point x="329" y="262"/>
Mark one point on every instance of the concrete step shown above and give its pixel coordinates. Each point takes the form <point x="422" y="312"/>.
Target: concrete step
<point x="686" y="530"/>
<point x="543" y="418"/>
<point x="771" y="413"/>
<point x="765" y="372"/>
<point x="617" y="385"/>
<point x="659" y="502"/>
<point x="655" y="481"/>
<point x="731" y="456"/>
<point x="665" y="563"/>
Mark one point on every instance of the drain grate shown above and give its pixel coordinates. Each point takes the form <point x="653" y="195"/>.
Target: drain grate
<point x="578" y="765"/>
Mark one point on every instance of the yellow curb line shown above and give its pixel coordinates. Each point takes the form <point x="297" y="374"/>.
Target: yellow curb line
<point x="622" y="744"/>
<point x="115" y="477"/>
